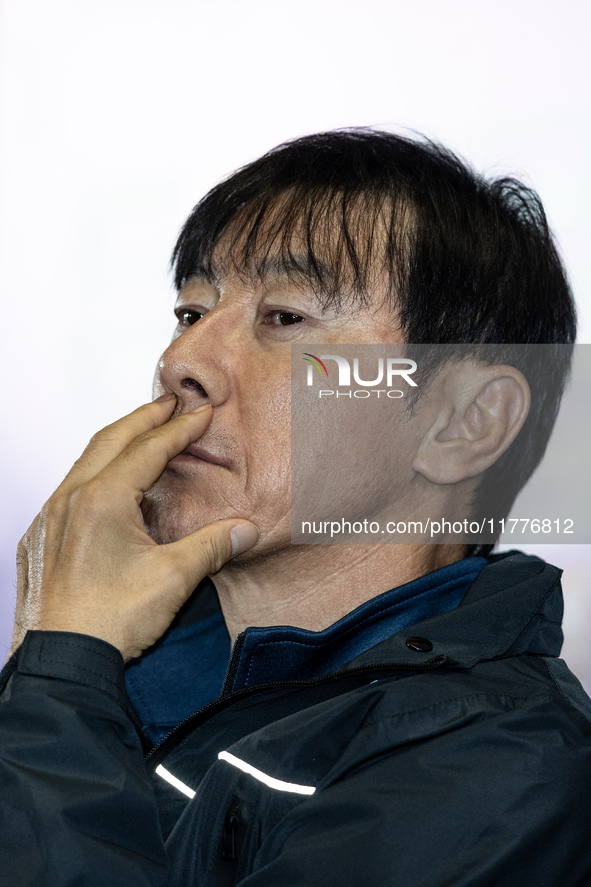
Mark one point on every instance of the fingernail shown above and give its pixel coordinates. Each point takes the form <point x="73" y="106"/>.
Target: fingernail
<point x="203" y="406"/>
<point x="164" y="397"/>
<point x="243" y="536"/>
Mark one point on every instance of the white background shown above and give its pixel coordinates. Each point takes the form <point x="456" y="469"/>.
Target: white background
<point x="115" y="117"/>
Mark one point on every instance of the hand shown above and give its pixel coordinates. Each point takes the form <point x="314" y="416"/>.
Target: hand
<point x="86" y="563"/>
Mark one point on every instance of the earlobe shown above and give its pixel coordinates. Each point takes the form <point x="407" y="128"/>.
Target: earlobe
<point x="478" y="412"/>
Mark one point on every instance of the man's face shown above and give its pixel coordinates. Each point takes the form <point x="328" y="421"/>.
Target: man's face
<point x="231" y="347"/>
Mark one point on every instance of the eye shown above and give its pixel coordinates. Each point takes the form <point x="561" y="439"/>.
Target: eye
<point x="187" y="317"/>
<point x="283" y="318"/>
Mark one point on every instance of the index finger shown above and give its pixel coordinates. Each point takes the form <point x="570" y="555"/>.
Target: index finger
<point x="111" y="441"/>
<point x="142" y="462"/>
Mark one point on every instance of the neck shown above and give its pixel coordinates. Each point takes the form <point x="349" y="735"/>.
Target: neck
<point x="312" y="586"/>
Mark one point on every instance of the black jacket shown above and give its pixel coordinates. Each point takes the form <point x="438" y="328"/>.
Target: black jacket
<point x="457" y="754"/>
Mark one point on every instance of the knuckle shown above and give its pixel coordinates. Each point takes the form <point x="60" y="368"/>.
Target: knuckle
<point x="55" y="501"/>
<point x="154" y="436"/>
<point x="108" y="434"/>
<point x="51" y="511"/>
<point x="91" y="497"/>
<point x="148" y="442"/>
<point x="216" y="550"/>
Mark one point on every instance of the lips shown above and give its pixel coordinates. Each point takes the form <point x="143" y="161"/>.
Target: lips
<point x="199" y="452"/>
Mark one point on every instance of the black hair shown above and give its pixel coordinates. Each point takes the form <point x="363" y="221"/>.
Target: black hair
<point x="462" y="259"/>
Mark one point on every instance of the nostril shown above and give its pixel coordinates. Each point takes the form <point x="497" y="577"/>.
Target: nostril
<point x="193" y="385"/>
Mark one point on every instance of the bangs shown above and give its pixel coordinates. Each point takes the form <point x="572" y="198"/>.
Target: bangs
<point x="342" y="243"/>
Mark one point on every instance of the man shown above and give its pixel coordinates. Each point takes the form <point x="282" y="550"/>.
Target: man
<point x="390" y="714"/>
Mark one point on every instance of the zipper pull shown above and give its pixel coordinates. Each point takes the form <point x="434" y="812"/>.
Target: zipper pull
<point x="231" y="826"/>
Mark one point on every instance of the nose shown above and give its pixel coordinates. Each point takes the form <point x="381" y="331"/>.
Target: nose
<point x="196" y="366"/>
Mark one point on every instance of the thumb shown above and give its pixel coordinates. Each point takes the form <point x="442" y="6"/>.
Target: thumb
<point x="207" y="549"/>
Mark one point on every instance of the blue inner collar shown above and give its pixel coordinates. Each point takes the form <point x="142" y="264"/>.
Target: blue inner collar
<point x="185" y="670"/>
<point x="283" y="653"/>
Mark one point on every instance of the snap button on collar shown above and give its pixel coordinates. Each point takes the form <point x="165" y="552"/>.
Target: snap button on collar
<point x="421" y="645"/>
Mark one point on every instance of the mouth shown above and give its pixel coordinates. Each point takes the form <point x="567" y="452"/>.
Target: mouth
<point x="196" y="451"/>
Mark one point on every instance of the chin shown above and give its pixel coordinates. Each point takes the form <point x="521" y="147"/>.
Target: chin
<point x="170" y="517"/>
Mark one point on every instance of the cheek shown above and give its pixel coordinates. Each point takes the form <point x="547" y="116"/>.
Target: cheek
<point x="349" y="459"/>
<point x="264" y="406"/>
<point x="265" y="430"/>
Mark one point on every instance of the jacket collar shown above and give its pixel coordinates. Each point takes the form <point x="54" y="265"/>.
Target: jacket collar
<point x="286" y="653"/>
<point x="514" y="606"/>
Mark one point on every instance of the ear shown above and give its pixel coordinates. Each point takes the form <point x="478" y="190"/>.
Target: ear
<point x="478" y="411"/>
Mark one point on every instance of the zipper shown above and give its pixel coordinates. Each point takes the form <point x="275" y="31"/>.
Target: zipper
<point x="181" y="730"/>
<point x="224" y="867"/>
<point x="231" y="826"/>
<point x="233" y="663"/>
